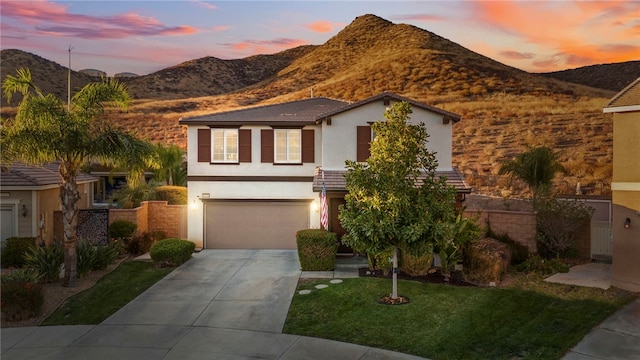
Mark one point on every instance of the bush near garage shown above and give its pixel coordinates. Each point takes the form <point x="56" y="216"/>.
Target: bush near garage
<point x="317" y="249"/>
<point x="142" y="243"/>
<point x="171" y="252"/>
<point x="22" y="296"/>
<point x="15" y="249"/>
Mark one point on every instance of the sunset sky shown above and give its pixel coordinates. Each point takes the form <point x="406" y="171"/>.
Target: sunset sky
<point x="146" y="36"/>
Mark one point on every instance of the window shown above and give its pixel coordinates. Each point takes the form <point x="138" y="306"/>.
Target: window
<point x="224" y="145"/>
<point x="287" y="146"/>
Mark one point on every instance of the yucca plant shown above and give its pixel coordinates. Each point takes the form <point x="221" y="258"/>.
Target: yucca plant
<point x="105" y="256"/>
<point x="86" y="257"/>
<point x="47" y="261"/>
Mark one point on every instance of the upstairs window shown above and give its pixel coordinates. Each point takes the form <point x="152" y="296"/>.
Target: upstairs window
<point x="287" y="146"/>
<point x="224" y="145"/>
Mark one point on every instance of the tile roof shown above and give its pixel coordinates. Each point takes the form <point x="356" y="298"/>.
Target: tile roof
<point x="334" y="180"/>
<point x="299" y="112"/>
<point x="27" y="176"/>
<point x="629" y="96"/>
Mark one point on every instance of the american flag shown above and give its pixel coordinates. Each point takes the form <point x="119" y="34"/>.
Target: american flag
<point x="324" y="212"/>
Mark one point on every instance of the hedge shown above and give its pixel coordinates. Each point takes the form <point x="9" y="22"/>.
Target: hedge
<point x="172" y="252"/>
<point x="317" y="249"/>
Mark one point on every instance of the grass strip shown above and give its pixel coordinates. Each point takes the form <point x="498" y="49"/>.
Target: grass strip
<point x="109" y="294"/>
<point x="533" y="320"/>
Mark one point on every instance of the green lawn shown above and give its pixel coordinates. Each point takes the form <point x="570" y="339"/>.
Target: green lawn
<point x="532" y="320"/>
<point x="110" y="293"/>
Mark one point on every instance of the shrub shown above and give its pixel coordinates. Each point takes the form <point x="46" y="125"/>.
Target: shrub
<point x="317" y="249"/>
<point x="122" y="229"/>
<point x="47" y="261"/>
<point x="416" y="263"/>
<point x="15" y="249"/>
<point x="141" y="243"/>
<point x="105" y="256"/>
<point x="489" y="260"/>
<point x="173" y="195"/>
<point x="382" y="261"/>
<point x="172" y="252"/>
<point x="86" y="257"/>
<point x="536" y="264"/>
<point x="22" y="297"/>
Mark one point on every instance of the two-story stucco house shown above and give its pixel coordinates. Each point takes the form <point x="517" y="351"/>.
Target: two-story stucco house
<point x="254" y="174"/>
<point x="625" y="187"/>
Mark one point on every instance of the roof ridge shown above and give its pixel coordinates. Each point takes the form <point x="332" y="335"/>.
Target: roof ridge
<point x="622" y="92"/>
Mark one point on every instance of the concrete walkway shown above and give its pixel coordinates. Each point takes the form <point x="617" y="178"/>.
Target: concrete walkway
<point x="221" y="304"/>
<point x="618" y="337"/>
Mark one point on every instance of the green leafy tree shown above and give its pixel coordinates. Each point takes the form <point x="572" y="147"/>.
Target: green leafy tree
<point x="537" y="166"/>
<point x="47" y="130"/>
<point x="395" y="199"/>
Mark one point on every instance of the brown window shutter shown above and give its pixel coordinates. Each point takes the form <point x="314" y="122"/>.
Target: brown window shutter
<point x="266" y="146"/>
<point x="244" y="145"/>
<point x="308" y="146"/>
<point x="204" y="145"/>
<point x="363" y="143"/>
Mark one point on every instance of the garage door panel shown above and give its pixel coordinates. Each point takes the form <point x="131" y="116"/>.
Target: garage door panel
<point x="254" y="224"/>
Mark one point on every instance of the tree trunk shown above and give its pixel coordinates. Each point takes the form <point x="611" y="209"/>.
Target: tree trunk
<point x="69" y="197"/>
<point x="394" y="294"/>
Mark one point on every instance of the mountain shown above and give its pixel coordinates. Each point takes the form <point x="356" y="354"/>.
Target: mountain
<point x="47" y="75"/>
<point x="211" y="76"/>
<point x="604" y="76"/>
<point x="503" y="109"/>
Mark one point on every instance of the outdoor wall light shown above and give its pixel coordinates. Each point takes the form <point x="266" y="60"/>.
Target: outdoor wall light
<point x="627" y="223"/>
<point x="24" y="211"/>
<point x="314" y="206"/>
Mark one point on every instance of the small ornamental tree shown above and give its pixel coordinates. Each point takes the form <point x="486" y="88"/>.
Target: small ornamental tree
<point x="395" y="199"/>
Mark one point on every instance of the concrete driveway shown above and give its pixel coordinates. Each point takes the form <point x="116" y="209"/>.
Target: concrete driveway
<point x="221" y="304"/>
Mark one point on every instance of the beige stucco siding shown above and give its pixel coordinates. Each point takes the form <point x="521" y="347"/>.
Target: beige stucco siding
<point x="626" y="147"/>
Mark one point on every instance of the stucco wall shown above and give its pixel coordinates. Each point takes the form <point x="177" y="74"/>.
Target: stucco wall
<point x="339" y="138"/>
<point x="626" y="201"/>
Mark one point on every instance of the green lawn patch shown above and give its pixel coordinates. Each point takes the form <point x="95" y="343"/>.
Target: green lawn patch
<point x="532" y="320"/>
<point x="109" y="294"/>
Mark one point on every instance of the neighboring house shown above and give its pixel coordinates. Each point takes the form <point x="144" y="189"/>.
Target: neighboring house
<point x="254" y="174"/>
<point x="29" y="195"/>
<point x="625" y="187"/>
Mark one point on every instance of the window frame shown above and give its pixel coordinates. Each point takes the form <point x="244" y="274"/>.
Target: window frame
<point x="288" y="160"/>
<point x="225" y="146"/>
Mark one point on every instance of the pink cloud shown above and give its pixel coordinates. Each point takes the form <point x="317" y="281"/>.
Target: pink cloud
<point x="322" y="26"/>
<point x="516" y="55"/>
<point x="573" y="31"/>
<point x="52" y="18"/>
<point x="221" y="28"/>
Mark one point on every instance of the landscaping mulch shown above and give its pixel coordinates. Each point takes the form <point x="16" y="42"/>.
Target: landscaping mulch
<point x="434" y="276"/>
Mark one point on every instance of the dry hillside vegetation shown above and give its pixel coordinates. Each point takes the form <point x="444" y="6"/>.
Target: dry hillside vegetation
<point x="503" y="109"/>
<point x="604" y="76"/>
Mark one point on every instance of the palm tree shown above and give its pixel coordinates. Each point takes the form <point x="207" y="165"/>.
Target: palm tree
<point x="170" y="158"/>
<point x="537" y="166"/>
<point x="45" y="130"/>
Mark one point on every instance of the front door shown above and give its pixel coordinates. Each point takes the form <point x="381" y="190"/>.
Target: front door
<point x="334" y="223"/>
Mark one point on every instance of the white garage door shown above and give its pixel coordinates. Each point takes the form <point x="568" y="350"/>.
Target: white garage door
<point x="254" y="224"/>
